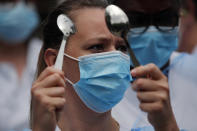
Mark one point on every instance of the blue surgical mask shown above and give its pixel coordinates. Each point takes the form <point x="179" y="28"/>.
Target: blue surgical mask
<point x="16" y="24"/>
<point x="104" y="78"/>
<point x="153" y="46"/>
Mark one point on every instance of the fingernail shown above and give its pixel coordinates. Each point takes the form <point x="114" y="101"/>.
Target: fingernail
<point x="133" y="72"/>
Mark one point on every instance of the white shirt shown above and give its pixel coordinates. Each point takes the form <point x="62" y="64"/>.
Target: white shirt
<point x="183" y="89"/>
<point x="128" y="114"/>
<point x="15" y="93"/>
<point x="123" y="129"/>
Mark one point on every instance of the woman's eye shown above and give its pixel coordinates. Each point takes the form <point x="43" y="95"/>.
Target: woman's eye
<point x="96" y="48"/>
<point x="122" y="48"/>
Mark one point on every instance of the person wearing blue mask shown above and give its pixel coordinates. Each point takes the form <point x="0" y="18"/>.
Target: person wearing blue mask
<point x="18" y="56"/>
<point x="94" y="77"/>
<point x="154" y="33"/>
<point x="153" y="37"/>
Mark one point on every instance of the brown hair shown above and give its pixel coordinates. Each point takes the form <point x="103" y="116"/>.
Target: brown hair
<point x="52" y="36"/>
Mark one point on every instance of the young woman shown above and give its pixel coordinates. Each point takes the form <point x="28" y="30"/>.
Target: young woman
<point x="96" y="73"/>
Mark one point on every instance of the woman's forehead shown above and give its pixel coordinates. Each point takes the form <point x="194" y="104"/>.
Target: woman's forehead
<point x="91" y="22"/>
<point x="91" y="27"/>
<point x="84" y="14"/>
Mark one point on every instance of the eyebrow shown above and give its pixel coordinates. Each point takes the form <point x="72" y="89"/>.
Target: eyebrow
<point x="100" y="38"/>
<point x="105" y="39"/>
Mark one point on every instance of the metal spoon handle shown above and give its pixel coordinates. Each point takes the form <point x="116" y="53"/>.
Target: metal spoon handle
<point x="131" y="53"/>
<point x="60" y="56"/>
<point x="133" y="58"/>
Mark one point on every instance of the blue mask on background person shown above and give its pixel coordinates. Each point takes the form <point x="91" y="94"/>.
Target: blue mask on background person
<point x="17" y="24"/>
<point x="153" y="46"/>
<point x="104" y="78"/>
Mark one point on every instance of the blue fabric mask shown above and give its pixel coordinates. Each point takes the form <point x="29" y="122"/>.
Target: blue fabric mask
<point x="104" y="78"/>
<point x="153" y="46"/>
<point x="16" y="24"/>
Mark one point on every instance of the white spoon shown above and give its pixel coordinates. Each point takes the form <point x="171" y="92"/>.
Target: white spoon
<point x="68" y="28"/>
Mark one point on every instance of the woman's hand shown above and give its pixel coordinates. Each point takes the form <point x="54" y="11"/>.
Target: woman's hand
<point x="47" y="98"/>
<point x="153" y="93"/>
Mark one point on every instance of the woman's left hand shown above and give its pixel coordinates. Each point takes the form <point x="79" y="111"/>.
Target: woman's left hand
<point x="153" y="93"/>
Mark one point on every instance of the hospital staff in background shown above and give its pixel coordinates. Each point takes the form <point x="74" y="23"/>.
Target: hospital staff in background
<point x="183" y="69"/>
<point x="18" y="60"/>
<point x="153" y="37"/>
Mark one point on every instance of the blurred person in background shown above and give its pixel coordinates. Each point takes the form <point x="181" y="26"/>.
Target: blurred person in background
<point x="154" y="34"/>
<point x="18" y="60"/>
<point x="183" y="68"/>
<point x="153" y="37"/>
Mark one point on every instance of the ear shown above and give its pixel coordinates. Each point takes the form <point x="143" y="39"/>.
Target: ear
<point x="50" y="56"/>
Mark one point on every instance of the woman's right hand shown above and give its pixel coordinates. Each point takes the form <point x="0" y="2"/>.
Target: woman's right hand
<point x="47" y="98"/>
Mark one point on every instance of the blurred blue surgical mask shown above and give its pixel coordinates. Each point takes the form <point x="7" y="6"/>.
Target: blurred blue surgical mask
<point x="104" y="78"/>
<point x="153" y="46"/>
<point x="17" y="23"/>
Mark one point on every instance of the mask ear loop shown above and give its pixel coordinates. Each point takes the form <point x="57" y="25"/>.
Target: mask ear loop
<point x="73" y="58"/>
<point x="69" y="81"/>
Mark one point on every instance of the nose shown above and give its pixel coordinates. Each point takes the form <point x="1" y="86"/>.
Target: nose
<point x="112" y="48"/>
<point x="112" y="43"/>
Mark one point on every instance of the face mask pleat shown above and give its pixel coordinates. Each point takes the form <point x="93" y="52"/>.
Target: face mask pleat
<point x="153" y="46"/>
<point x="104" y="78"/>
